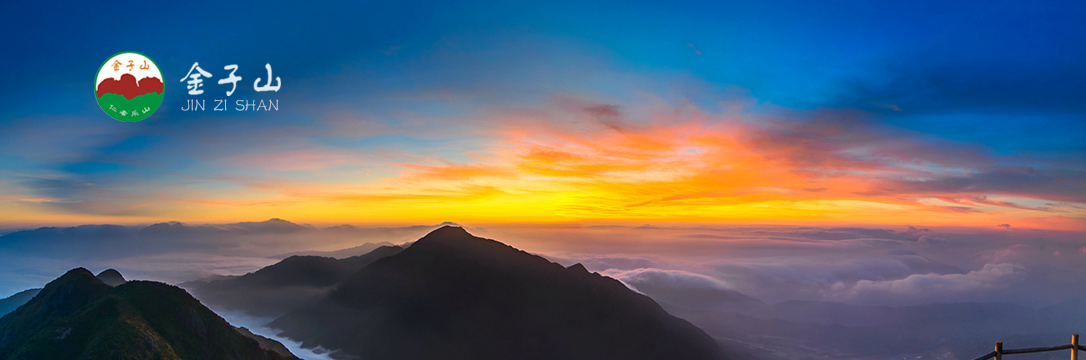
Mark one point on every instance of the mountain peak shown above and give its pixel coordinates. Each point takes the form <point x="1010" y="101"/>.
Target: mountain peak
<point x="455" y="241"/>
<point x="446" y="232"/>
<point x="578" y="268"/>
<point x="449" y="237"/>
<point x="76" y="273"/>
<point x="111" y="277"/>
<point x="453" y="295"/>
<point x="69" y="292"/>
<point x="79" y="277"/>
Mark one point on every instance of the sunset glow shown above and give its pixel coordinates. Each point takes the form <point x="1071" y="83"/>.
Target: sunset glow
<point x="577" y="161"/>
<point x="519" y="121"/>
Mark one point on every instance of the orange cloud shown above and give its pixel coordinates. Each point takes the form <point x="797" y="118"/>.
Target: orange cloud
<point x="701" y="169"/>
<point x="578" y="161"/>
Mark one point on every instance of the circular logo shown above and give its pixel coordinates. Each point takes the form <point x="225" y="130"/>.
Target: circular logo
<point x="129" y="86"/>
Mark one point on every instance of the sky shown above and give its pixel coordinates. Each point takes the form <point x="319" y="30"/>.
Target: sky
<point x="899" y="113"/>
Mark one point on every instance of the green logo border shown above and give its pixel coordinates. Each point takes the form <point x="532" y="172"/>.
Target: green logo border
<point x="95" y="88"/>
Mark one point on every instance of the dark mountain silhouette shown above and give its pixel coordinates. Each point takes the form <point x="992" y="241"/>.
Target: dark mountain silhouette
<point x="128" y="87"/>
<point x="276" y="289"/>
<point x="111" y="277"/>
<point x="77" y="316"/>
<point x="452" y="295"/>
<point x="270" y="226"/>
<point x="13" y="302"/>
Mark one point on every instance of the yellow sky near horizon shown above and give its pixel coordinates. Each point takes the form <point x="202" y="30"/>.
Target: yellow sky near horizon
<point x="685" y="170"/>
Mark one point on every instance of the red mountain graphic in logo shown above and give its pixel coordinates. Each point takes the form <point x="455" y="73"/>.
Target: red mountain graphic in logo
<point x="128" y="87"/>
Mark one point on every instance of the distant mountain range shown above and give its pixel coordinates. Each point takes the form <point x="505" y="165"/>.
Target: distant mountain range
<point x="339" y="254"/>
<point x="278" y="236"/>
<point x="451" y="295"/>
<point x="276" y="289"/>
<point x="13" y="302"/>
<point x="78" y="316"/>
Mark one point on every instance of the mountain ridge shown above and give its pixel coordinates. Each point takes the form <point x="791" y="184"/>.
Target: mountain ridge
<point x="275" y="289"/>
<point x="16" y="300"/>
<point x="77" y="316"/>
<point x="452" y="295"/>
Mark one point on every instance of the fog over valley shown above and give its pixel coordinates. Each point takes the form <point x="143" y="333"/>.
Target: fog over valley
<point x="848" y="292"/>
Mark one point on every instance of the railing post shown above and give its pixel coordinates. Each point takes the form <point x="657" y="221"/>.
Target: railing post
<point x="1074" y="346"/>
<point x="999" y="350"/>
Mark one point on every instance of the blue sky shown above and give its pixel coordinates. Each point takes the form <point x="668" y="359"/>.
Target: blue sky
<point x="1000" y="79"/>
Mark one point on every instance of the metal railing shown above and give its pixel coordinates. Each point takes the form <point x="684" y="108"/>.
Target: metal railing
<point x="998" y="353"/>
